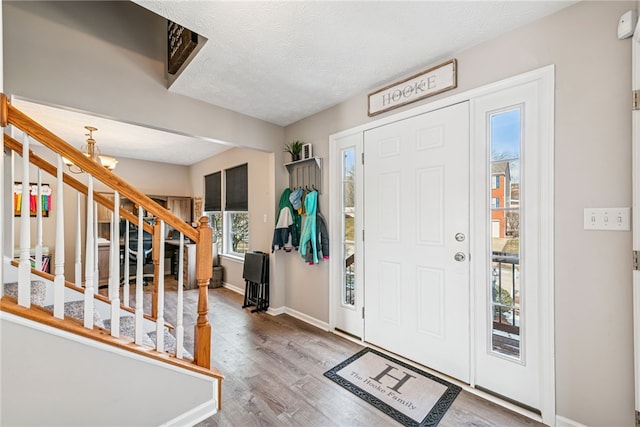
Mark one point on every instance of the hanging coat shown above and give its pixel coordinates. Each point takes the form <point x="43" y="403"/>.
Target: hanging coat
<point x="322" y="240"/>
<point x="287" y="230"/>
<point x="309" y="232"/>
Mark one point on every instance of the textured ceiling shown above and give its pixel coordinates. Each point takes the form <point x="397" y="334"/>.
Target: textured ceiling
<point x="284" y="61"/>
<point x="119" y="139"/>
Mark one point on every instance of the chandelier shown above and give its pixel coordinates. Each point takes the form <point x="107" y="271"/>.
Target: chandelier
<point x="91" y="151"/>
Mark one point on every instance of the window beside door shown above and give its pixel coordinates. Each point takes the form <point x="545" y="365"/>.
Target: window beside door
<point x="348" y="226"/>
<point x="505" y="127"/>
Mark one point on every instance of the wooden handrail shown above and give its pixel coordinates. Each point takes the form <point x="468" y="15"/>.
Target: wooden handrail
<point x="201" y="236"/>
<point x="13" y="144"/>
<point x="13" y="116"/>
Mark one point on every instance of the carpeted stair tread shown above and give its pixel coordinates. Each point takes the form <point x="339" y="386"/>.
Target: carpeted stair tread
<point x="75" y="309"/>
<point x="38" y="291"/>
<point x="169" y="343"/>
<point x="128" y="329"/>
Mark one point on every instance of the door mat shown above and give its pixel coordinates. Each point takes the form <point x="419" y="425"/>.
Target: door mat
<point x="410" y="396"/>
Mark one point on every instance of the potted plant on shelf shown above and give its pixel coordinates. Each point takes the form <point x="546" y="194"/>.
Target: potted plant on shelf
<point x="295" y="149"/>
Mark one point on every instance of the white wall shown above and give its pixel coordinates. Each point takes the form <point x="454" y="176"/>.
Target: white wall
<point x="594" y="369"/>
<point x="57" y="380"/>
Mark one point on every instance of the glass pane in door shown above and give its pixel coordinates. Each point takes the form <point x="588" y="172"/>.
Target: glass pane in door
<point x="505" y="195"/>
<point x="348" y="225"/>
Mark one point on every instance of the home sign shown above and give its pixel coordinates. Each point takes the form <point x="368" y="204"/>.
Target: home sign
<point x="431" y="82"/>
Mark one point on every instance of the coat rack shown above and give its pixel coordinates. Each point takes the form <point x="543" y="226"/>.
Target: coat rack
<point x="305" y="174"/>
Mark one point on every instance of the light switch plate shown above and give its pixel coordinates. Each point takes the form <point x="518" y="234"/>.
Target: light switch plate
<point x="611" y="219"/>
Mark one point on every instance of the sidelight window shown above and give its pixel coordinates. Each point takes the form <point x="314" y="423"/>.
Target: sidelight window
<point x="505" y="128"/>
<point x="348" y="226"/>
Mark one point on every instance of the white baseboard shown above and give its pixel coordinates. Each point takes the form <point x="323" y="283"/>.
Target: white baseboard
<point x="233" y="288"/>
<point x="195" y="415"/>
<point x="566" y="422"/>
<point x="284" y="310"/>
<point x="276" y="311"/>
<point x="306" y="318"/>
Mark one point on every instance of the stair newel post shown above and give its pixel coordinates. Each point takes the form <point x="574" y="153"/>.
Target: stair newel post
<point x="125" y="261"/>
<point x="204" y="269"/>
<point x="89" y="258"/>
<point x="180" y="305"/>
<point x="78" y="257"/>
<point x="139" y="283"/>
<point x="39" y="221"/>
<point x="160" y="286"/>
<point x="58" y="281"/>
<point x="24" y="266"/>
<point x="114" y="263"/>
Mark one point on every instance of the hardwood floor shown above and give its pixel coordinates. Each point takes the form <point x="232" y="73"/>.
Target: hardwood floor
<point x="274" y="365"/>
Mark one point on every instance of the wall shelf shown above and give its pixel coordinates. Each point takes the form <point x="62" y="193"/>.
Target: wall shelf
<point x="306" y="174"/>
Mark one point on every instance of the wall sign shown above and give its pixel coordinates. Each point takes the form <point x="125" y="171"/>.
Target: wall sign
<point x="181" y="41"/>
<point x="431" y="82"/>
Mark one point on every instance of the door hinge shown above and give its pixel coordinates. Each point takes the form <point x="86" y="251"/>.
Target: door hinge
<point x="635" y="103"/>
<point x="636" y="260"/>
<point x="363" y="235"/>
<point x="362" y="157"/>
<point x="363" y="312"/>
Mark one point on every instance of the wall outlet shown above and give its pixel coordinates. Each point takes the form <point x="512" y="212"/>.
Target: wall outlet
<point x="612" y="219"/>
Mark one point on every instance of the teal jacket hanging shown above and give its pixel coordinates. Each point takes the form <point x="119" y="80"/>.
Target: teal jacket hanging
<point x="309" y="233"/>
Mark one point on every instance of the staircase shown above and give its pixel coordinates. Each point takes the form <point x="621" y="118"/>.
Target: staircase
<point x="71" y="355"/>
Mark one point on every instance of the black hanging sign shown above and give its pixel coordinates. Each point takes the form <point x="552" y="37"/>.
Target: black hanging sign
<point x="181" y="41"/>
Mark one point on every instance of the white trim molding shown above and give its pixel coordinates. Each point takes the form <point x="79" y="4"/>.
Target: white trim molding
<point x="544" y="77"/>
<point x="566" y="422"/>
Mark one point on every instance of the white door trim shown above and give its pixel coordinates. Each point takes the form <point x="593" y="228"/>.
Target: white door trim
<point x="545" y="78"/>
<point x="635" y="144"/>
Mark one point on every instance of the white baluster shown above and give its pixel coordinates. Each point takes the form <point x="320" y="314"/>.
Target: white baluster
<point x="180" y="312"/>
<point x="96" y="273"/>
<point x="24" y="266"/>
<point x="125" y="260"/>
<point x="114" y="275"/>
<point x="39" y="221"/>
<point x="160" y="319"/>
<point x="89" y="261"/>
<point x="78" y="260"/>
<point x="139" y="284"/>
<point x="58" y="281"/>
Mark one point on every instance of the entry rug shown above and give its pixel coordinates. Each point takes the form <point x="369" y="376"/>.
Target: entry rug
<point x="410" y="396"/>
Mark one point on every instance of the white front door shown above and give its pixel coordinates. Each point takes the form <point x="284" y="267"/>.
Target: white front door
<point x="416" y="239"/>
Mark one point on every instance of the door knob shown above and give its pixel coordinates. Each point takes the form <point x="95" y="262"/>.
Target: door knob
<point x="460" y="237"/>
<point x="459" y="256"/>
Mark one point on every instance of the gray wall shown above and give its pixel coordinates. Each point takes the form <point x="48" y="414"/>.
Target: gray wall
<point x="594" y="354"/>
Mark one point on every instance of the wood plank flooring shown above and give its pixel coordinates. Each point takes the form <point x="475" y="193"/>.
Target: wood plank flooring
<point x="274" y="365"/>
